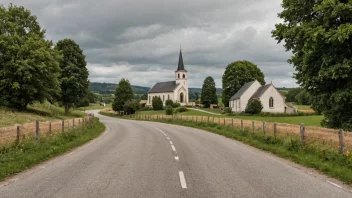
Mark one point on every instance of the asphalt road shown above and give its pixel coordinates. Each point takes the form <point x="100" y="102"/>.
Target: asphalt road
<point x="145" y="159"/>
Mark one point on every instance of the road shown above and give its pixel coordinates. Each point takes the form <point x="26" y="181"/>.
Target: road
<point x="146" y="159"/>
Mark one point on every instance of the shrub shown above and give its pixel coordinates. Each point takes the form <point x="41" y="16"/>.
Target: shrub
<point x="182" y="109"/>
<point x="169" y="110"/>
<point x="175" y="105"/>
<point x="131" y="106"/>
<point x="169" y="103"/>
<point x="228" y="110"/>
<point x="157" y="103"/>
<point x="254" y="106"/>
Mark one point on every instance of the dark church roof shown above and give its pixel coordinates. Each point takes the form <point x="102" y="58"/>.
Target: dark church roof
<point x="242" y="90"/>
<point x="181" y="66"/>
<point x="162" y="87"/>
<point x="260" y="91"/>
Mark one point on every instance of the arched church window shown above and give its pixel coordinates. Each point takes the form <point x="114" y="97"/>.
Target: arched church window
<point x="184" y="76"/>
<point x="168" y="97"/>
<point x="271" y="102"/>
<point x="178" y="75"/>
<point x="163" y="98"/>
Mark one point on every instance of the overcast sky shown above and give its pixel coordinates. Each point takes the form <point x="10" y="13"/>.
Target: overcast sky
<point x="140" y="39"/>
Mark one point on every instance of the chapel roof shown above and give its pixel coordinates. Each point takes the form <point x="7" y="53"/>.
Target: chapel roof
<point x="242" y="91"/>
<point x="261" y="90"/>
<point x="162" y="87"/>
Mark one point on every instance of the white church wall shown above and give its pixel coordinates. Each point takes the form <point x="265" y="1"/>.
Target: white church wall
<point x="248" y="94"/>
<point x="279" y="101"/>
<point x="163" y="96"/>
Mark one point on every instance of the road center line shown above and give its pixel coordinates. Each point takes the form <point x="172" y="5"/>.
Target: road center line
<point x="182" y="179"/>
<point x="173" y="148"/>
<point x="176" y="158"/>
<point x="171" y="143"/>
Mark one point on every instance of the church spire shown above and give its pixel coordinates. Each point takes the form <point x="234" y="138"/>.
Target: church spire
<point x="181" y="66"/>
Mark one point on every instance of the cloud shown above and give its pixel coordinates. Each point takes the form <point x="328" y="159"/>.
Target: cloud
<point x="140" y="40"/>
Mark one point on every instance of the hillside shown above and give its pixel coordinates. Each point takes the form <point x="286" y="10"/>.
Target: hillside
<point x="109" y="88"/>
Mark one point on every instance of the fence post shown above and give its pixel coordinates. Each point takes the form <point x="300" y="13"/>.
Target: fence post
<point x="63" y="125"/>
<point x="49" y="127"/>
<point x="341" y="141"/>
<point x="196" y="119"/>
<point x="73" y="122"/>
<point x="264" y="127"/>
<point x="208" y="119"/>
<point x="303" y="137"/>
<point x="275" y="130"/>
<point x="18" y="135"/>
<point x="37" y="130"/>
<point x="253" y="126"/>
<point x="213" y="119"/>
<point x="242" y="125"/>
<point x="232" y="124"/>
<point x="224" y="122"/>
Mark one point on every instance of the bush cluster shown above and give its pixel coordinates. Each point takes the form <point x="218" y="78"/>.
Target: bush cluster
<point x="169" y="110"/>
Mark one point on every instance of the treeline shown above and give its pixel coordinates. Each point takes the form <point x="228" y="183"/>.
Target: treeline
<point x="33" y="68"/>
<point x="298" y="95"/>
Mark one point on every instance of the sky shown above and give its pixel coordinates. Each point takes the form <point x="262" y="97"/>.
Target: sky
<point x="140" y="39"/>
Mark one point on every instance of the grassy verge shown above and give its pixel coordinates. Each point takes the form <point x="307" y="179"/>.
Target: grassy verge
<point x="317" y="156"/>
<point x="37" y="111"/>
<point x="94" y="107"/>
<point x="15" y="159"/>
<point x="309" y="120"/>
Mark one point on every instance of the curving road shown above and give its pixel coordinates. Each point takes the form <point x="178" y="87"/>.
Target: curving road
<point x="146" y="159"/>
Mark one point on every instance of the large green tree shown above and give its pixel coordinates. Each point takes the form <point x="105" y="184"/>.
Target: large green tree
<point x="74" y="74"/>
<point x="123" y="94"/>
<point x="319" y="34"/>
<point x="208" y="92"/>
<point x="236" y="75"/>
<point x="29" y="67"/>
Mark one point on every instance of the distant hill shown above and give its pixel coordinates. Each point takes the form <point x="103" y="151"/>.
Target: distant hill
<point x="109" y="88"/>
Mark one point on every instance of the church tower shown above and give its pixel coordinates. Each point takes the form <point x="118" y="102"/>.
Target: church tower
<point x="181" y="78"/>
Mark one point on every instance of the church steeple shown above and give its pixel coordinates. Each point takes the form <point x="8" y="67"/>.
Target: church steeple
<point x="181" y="66"/>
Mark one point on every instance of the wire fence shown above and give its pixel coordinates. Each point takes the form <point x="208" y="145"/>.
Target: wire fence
<point x="19" y="132"/>
<point x="308" y="134"/>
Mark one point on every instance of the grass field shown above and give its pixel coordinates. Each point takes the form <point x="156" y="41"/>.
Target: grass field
<point x="94" y="107"/>
<point x="15" y="159"/>
<point x="301" y="107"/>
<point x="311" y="120"/>
<point x="37" y="111"/>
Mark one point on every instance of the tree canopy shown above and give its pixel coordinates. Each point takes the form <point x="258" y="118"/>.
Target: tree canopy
<point x="319" y="34"/>
<point x="236" y="75"/>
<point x="74" y="74"/>
<point x="29" y="67"/>
<point x="209" y="96"/>
<point x="123" y="94"/>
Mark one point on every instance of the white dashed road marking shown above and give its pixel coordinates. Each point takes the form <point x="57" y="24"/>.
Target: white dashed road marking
<point x="182" y="179"/>
<point x="180" y="173"/>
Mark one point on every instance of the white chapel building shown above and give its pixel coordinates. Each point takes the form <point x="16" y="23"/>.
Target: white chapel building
<point x="177" y="90"/>
<point x="270" y="97"/>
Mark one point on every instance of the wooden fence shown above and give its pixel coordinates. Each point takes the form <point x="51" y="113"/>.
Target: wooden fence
<point x="333" y="138"/>
<point x="20" y="132"/>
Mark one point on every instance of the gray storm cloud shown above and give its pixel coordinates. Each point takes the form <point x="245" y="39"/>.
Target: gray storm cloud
<point x="140" y="40"/>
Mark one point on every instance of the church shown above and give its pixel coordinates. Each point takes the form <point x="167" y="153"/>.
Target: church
<point x="176" y="90"/>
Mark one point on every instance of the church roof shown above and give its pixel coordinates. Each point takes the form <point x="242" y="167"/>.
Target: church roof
<point x="260" y="91"/>
<point x="242" y="90"/>
<point x="162" y="87"/>
<point x="181" y="66"/>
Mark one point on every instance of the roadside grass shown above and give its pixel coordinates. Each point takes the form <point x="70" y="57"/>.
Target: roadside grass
<point x="309" y="120"/>
<point x="37" y="111"/>
<point x="212" y="110"/>
<point x="301" y="107"/>
<point x="313" y="155"/>
<point x="15" y="159"/>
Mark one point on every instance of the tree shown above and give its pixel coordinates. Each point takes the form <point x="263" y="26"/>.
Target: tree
<point x="209" y="96"/>
<point x="303" y="98"/>
<point x="157" y="103"/>
<point x="131" y="106"/>
<point x="29" y="67"/>
<point x="123" y="94"/>
<point x="254" y="106"/>
<point x="144" y="97"/>
<point x="292" y="93"/>
<point x="236" y="75"/>
<point x="319" y="34"/>
<point x="74" y="74"/>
